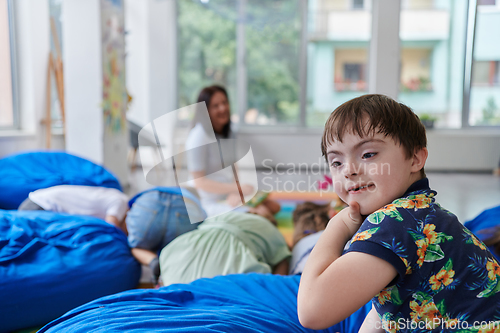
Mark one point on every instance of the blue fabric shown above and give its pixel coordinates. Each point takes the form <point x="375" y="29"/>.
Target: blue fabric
<point x="231" y="303"/>
<point x="157" y="217"/>
<point x="51" y="263"/>
<point x="27" y="172"/>
<point x="487" y="219"/>
<point x="164" y="189"/>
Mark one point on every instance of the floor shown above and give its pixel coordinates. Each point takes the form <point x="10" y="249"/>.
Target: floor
<point x="465" y="194"/>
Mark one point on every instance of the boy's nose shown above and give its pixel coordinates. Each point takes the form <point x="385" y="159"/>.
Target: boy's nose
<point x="350" y="170"/>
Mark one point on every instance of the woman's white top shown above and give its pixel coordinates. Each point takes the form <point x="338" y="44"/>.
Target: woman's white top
<point x="204" y="154"/>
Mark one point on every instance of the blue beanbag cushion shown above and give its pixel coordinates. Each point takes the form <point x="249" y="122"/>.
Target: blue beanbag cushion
<point x="232" y="303"/>
<point x="487" y="219"/>
<point x="51" y="263"/>
<point x="27" y="172"/>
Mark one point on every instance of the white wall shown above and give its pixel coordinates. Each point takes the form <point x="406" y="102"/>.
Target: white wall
<point x="82" y="56"/>
<point x="86" y="134"/>
<point x="151" y="58"/>
<point x="449" y="150"/>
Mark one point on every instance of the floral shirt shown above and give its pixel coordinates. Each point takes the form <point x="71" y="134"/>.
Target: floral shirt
<point x="447" y="281"/>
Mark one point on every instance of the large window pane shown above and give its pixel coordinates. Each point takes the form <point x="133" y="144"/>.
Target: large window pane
<point x="432" y="59"/>
<point x="339" y="33"/>
<point x="485" y="90"/>
<point x="207" y="48"/>
<point x="266" y="32"/>
<point x="6" y="87"/>
<point x="272" y="44"/>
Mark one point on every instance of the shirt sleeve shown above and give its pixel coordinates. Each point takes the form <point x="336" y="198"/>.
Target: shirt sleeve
<point x="386" y="238"/>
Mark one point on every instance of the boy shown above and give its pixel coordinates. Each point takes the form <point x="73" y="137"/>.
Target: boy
<point x="422" y="269"/>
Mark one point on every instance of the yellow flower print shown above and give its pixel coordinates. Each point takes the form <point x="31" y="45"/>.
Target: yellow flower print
<point x="408" y="267"/>
<point x="442" y="279"/>
<point x="384" y="296"/>
<point x="493" y="270"/>
<point x="364" y="235"/>
<point x="430" y="234"/>
<point x="426" y="311"/>
<point x="422" y="249"/>
<point x="474" y="239"/>
<point x="414" y="202"/>
<point x="361" y="236"/>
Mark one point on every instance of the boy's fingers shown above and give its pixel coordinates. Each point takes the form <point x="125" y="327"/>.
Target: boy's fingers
<point x="354" y="211"/>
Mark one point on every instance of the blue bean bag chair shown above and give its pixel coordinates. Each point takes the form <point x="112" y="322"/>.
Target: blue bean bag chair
<point x="487" y="219"/>
<point x="51" y="263"/>
<point x="27" y="172"/>
<point x="232" y="303"/>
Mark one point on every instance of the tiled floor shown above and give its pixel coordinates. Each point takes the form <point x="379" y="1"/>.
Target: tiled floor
<point x="465" y="194"/>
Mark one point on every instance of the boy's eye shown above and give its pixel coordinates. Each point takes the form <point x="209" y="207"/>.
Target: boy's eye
<point x="368" y="155"/>
<point x="335" y="164"/>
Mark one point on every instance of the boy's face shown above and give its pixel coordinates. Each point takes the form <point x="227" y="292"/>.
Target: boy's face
<point x="371" y="170"/>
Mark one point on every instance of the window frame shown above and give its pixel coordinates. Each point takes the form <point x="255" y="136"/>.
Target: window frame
<point x="303" y="44"/>
<point x="13" y="67"/>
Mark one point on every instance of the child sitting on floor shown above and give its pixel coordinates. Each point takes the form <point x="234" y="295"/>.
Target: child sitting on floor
<point x="422" y="269"/>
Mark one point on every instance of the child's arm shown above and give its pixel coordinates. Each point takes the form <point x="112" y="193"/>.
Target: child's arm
<point x="333" y="287"/>
<point x="372" y="323"/>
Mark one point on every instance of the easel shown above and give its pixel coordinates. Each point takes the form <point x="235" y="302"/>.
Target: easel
<point x="55" y="67"/>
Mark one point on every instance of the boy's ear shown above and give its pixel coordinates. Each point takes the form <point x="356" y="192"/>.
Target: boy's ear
<point x="419" y="158"/>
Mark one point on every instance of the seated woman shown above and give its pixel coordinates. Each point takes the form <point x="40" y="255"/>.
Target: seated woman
<point x="211" y="164"/>
<point x="230" y="243"/>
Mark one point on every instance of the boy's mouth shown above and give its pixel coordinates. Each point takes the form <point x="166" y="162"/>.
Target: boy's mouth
<point x="359" y="188"/>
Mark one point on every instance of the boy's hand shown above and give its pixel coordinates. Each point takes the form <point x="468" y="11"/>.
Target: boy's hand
<point x="351" y="217"/>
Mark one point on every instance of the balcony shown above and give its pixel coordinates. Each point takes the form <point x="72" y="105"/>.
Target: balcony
<point x="355" y="25"/>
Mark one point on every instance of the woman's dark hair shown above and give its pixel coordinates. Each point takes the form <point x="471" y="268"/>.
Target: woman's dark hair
<point x="206" y="95"/>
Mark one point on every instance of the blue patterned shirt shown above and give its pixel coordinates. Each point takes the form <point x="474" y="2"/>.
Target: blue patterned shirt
<point x="448" y="281"/>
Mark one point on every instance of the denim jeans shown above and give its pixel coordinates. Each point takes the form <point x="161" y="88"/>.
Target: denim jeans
<point x="156" y="218"/>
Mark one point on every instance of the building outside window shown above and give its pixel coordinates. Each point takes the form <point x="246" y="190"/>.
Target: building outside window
<point x="338" y="35"/>
<point x="484" y="107"/>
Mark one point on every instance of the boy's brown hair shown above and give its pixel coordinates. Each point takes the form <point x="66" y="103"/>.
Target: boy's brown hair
<point x="384" y="115"/>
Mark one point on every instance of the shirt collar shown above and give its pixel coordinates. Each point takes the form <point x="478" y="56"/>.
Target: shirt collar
<point x="419" y="185"/>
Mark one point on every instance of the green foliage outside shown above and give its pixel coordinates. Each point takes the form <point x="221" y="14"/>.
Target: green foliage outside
<point x="491" y="114"/>
<point x="207" y="53"/>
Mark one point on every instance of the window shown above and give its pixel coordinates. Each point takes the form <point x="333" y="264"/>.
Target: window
<point x="337" y="55"/>
<point x="432" y="38"/>
<point x="350" y="69"/>
<point x="207" y="48"/>
<point x="250" y="47"/>
<point x="255" y="48"/>
<point x="8" y="116"/>
<point x="484" y="108"/>
<point x="415" y="70"/>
